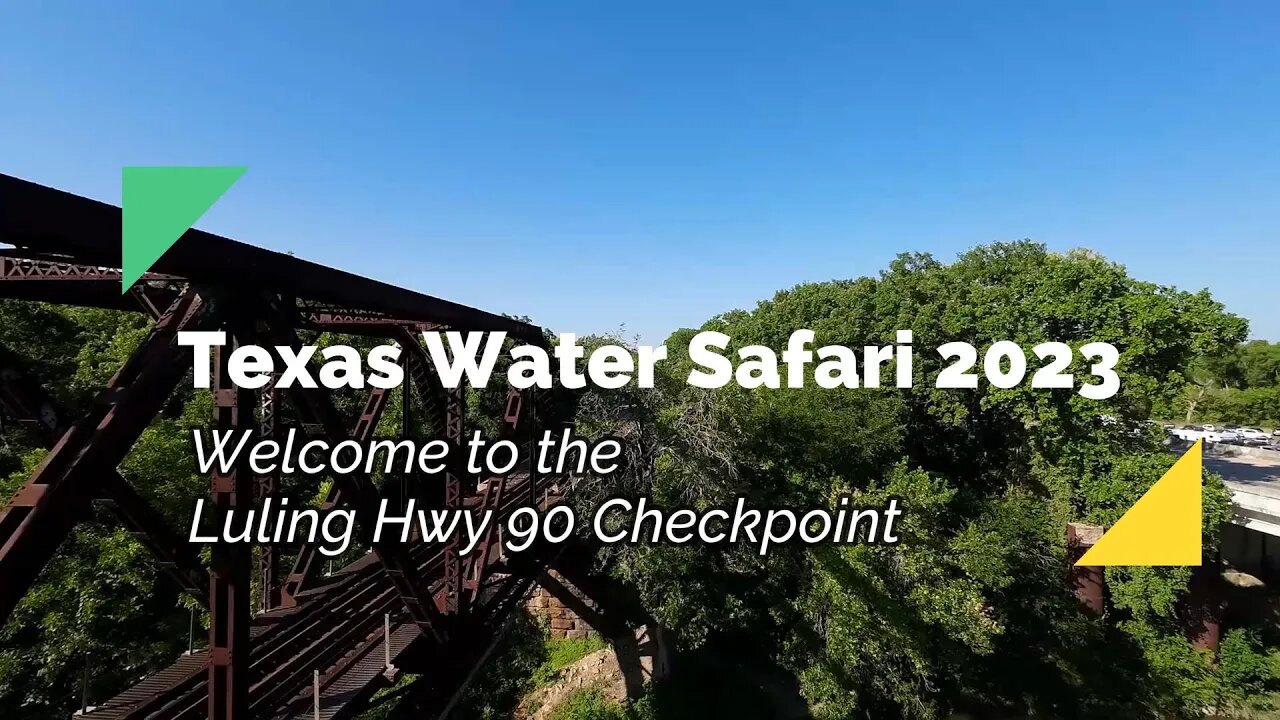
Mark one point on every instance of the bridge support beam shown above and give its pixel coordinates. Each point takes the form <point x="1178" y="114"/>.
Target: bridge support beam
<point x="316" y="405"/>
<point x="304" y="565"/>
<point x="454" y="413"/>
<point x="65" y="250"/>
<point x="229" y="581"/>
<point x="585" y="607"/>
<point x="56" y="495"/>
<point x="1089" y="583"/>
<point x="267" y="486"/>
<point x="444" y="411"/>
<point x="612" y="610"/>
<point x="24" y="398"/>
<point x="1201" y="608"/>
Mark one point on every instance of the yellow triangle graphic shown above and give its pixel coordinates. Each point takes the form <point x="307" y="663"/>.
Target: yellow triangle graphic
<point x="1163" y="527"/>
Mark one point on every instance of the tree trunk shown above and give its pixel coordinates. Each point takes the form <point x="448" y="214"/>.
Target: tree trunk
<point x="1191" y="407"/>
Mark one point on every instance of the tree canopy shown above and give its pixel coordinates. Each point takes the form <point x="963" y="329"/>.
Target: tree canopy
<point x="972" y="610"/>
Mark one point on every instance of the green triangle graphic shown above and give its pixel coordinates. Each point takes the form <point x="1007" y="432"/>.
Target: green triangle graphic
<point x="160" y="204"/>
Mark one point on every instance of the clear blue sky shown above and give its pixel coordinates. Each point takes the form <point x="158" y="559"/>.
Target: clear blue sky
<point x="591" y="165"/>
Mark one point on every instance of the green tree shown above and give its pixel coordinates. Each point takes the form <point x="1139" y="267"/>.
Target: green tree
<point x="971" y="611"/>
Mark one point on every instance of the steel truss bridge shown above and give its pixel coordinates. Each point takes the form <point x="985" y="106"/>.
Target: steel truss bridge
<point x="317" y="646"/>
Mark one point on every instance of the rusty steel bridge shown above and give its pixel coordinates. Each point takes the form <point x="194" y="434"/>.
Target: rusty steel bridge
<point x="316" y="645"/>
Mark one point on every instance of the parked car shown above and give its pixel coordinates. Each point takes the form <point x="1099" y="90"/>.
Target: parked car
<point x="1252" y="435"/>
<point x="1207" y="433"/>
<point x="1227" y="436"/>
<point x="1190" y="433"/>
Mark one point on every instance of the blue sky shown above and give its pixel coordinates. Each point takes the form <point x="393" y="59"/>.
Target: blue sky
<point x="592" y="165"/>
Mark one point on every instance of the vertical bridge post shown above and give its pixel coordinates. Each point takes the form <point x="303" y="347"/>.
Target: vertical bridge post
<point x="455" y="412"/>
<point x="267" y="486"/>
<point x="1089" y="583"/>
<point x="229" y="605"/>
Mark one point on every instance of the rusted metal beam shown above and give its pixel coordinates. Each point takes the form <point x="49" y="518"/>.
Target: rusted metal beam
<point x="1200" y="610"/>
<point x="315" y="404"/>
<point x="404" y="484"/>
<point x="453" y="668"/>
<point x="26" y="400"/>
<point x="68" y="251"/>
<point x="432" y="394"/>
<point x="54" y="281"/>
<point x="454" y="401"/>
<point x="14" y="268"/>
<point x="266" y="486"/>
<point x="477" y="563"/>
<point x="418" y="375"/>
<point x="52" y="222"/>
<point x="304" y="565"/>
<point x="455" y="416"/>
<point x="365" y="499"/>
<point x="173" y="553"/>
<point x="229" y="580"/>
<point x="66" y="283"/>
<point x="338" y="623"/>
<point x="314" y="316"/>
<point x="46" y="508"/>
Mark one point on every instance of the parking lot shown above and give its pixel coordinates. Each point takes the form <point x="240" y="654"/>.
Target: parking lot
<point x="1258" y="473"/>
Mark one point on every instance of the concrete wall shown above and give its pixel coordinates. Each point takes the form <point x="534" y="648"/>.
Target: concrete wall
<point x="1256" y="553"/>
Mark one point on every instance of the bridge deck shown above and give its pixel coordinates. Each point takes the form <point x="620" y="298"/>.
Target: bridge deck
<point x="338" y="628"/>
<point x="341" y="693"/>
<point x="157" y="688"/>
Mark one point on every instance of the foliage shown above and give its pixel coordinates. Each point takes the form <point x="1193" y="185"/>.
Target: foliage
<point x="520" y="654"/>
<point x="1239" y="384"/>
<point x="589" y="704"/>
<point x="1246" y="669"/>
<point x="561" y="653"/>
<point x="971" y="611"/>
<point x="705" y="685"/>
<point x="529" y="657"/>
<point x="100" y="610"/>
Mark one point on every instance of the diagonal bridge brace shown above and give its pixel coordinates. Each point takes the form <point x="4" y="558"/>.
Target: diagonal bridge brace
<point x="27" y="401"/>
<point x="55" y="497"/>
<point x="304" y="566"/>
<point x="432" y="394"/>
<point x="316" y="405"/>
<point x="452" y="415"/>
<point x="464" y="579"/>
